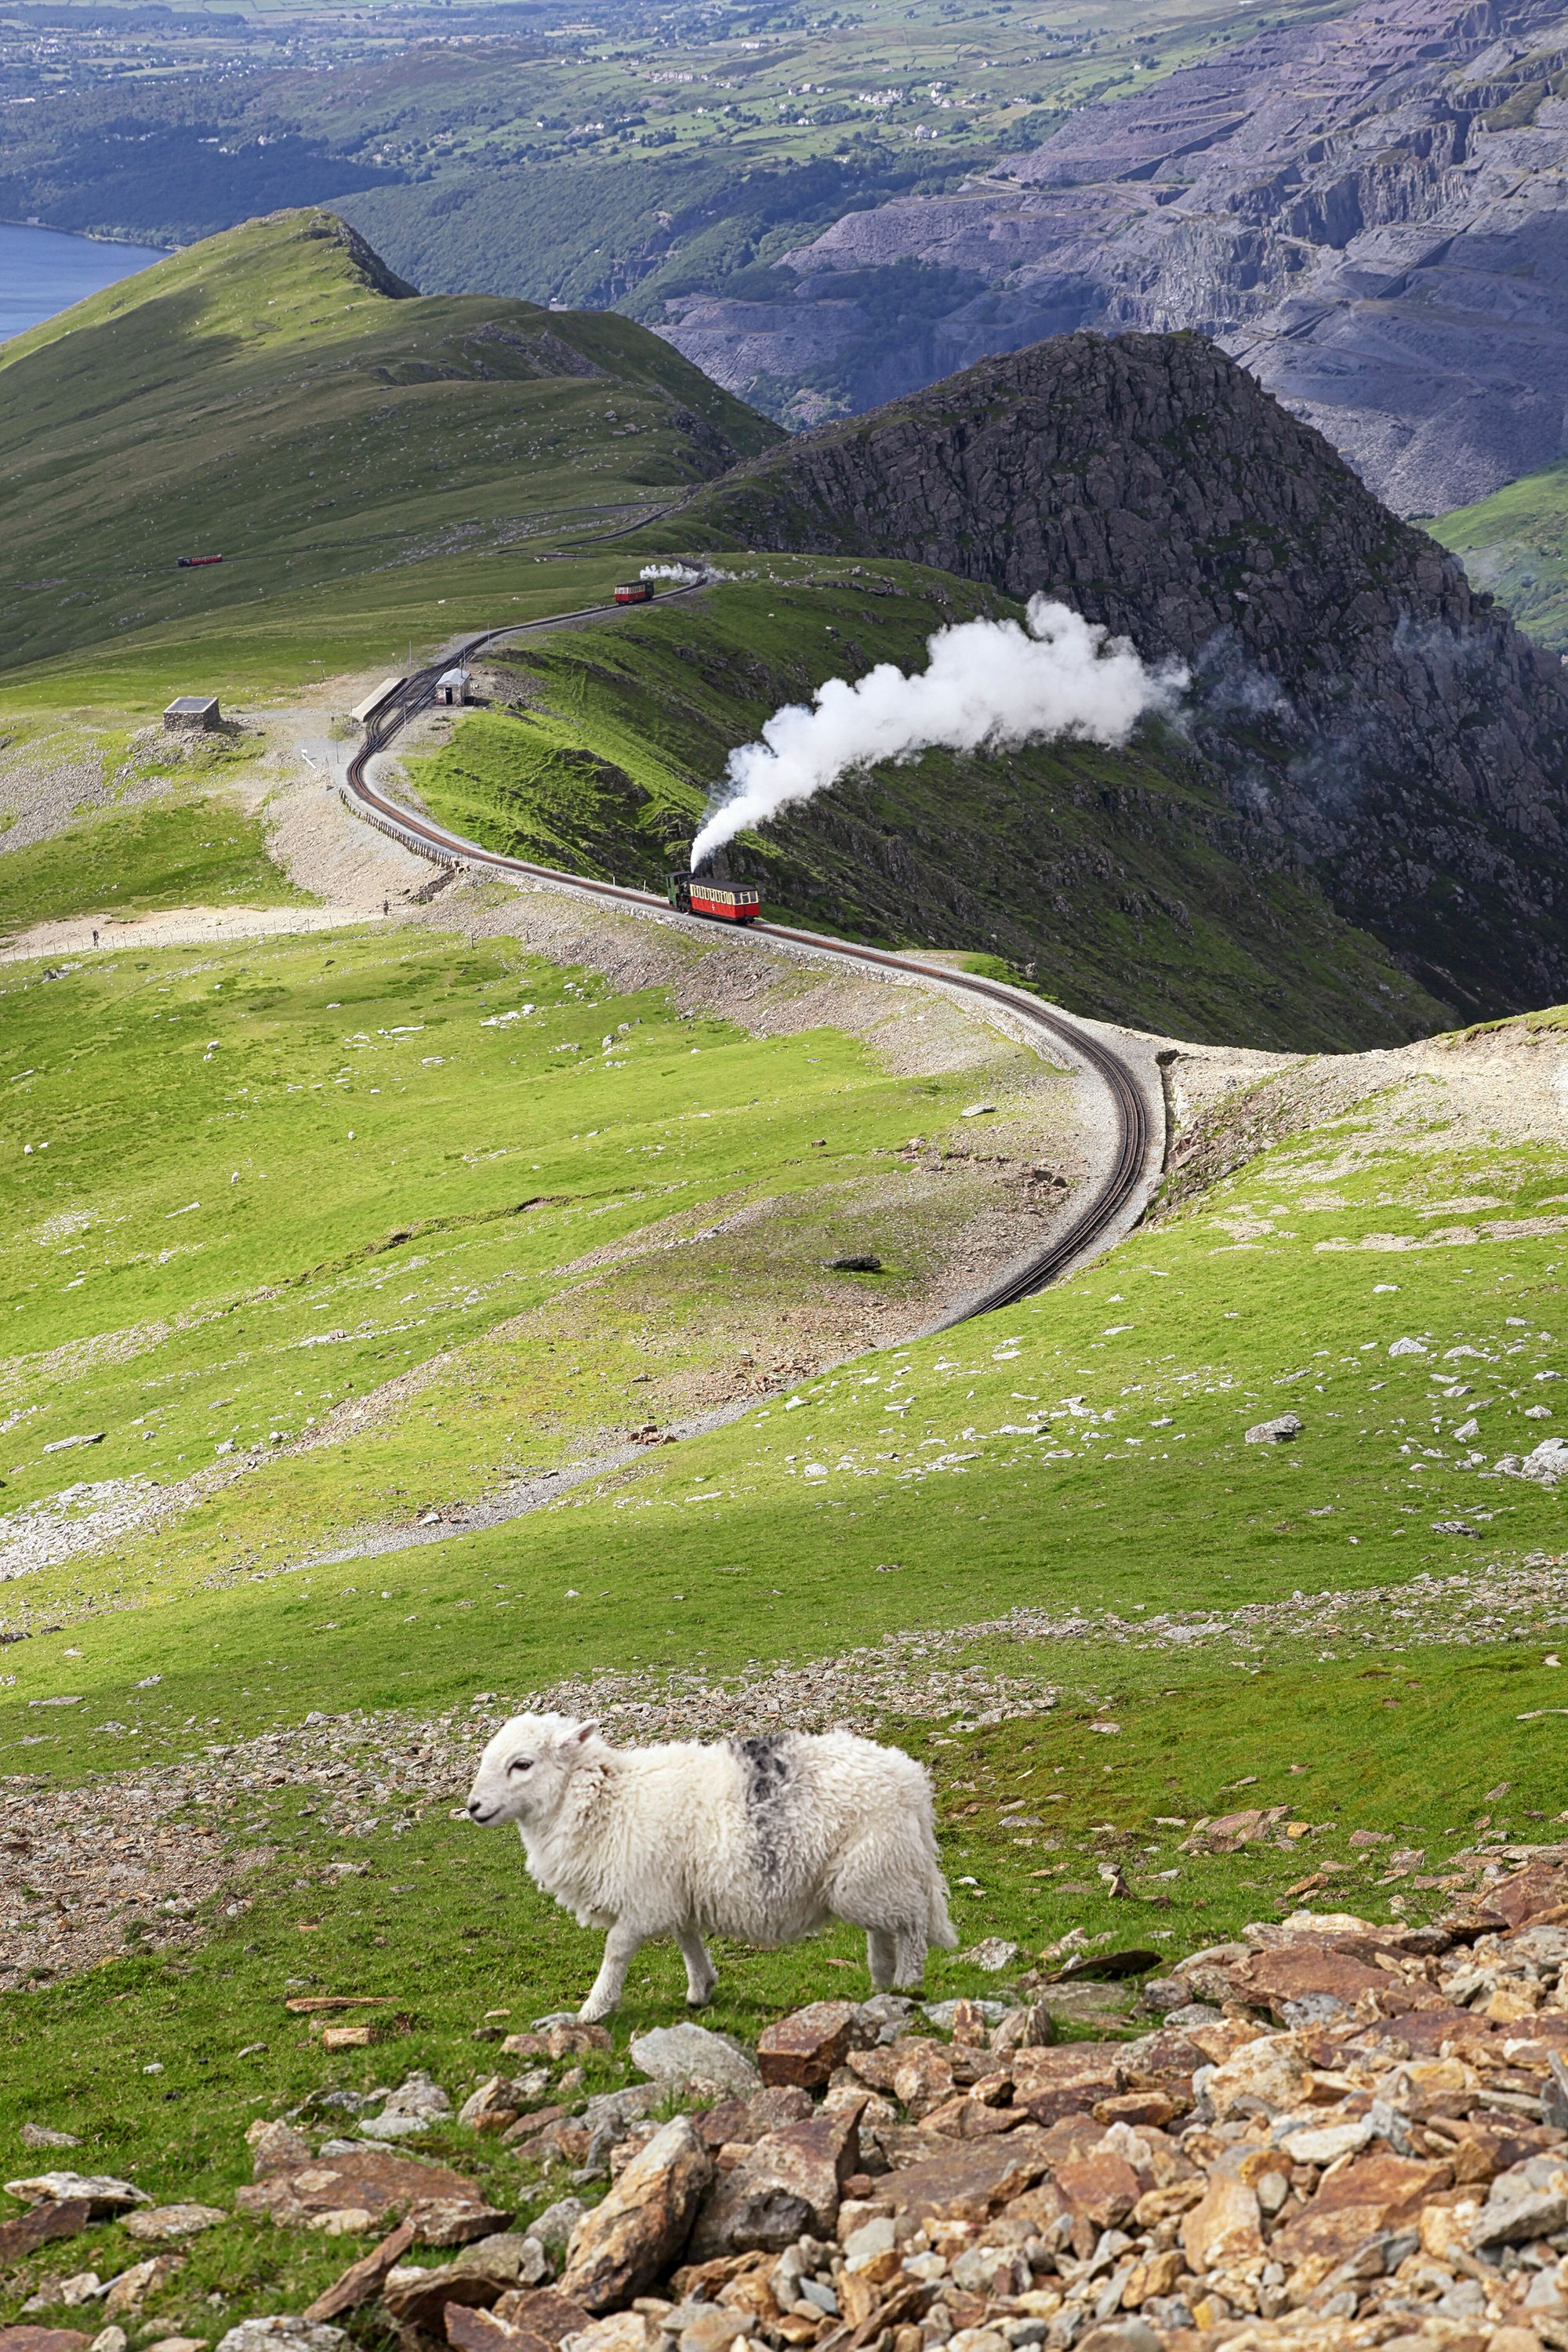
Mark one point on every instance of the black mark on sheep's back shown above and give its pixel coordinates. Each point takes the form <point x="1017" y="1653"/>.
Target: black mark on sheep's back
<point x="770" y="1774"/>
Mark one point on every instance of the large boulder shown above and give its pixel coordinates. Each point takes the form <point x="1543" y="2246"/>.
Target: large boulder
<point x="1304" y="1970"/>
<point x="623" y="2244"/>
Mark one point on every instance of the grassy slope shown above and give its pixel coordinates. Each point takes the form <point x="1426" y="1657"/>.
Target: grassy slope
<point x="273" y="395"/>
<point x="200" y="1258"/>
<point x="1115" y="875"/>
<point x="1140" y="1499"/>
<point x="1516" y="545"/>
<point x="184" y="852"/>
<point x="153" y="823"/>
<point x="1144" y="1496"/>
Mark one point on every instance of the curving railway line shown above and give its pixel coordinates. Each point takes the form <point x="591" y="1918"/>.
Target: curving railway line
<point x="1133" y="1126"/>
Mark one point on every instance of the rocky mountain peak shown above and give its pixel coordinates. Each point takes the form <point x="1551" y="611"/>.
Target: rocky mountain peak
<point x="1373" y="717"/>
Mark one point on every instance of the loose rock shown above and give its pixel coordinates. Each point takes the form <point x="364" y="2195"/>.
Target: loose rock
<point x="688" y="2055"/>
<point x="804" y="2049"/>
<point x="165" y="2223"/>
<point x="623" y="2244"/>
<point x="787" y="2186"/>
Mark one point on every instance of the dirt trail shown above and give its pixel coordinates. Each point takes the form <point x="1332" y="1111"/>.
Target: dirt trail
<point x="178" y="927"/>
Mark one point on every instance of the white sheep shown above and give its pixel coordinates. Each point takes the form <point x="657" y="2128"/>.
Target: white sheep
<point x="764" y="1840"/>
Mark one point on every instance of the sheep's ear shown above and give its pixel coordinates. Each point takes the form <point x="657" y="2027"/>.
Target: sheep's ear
<point x="584" y="1733"/>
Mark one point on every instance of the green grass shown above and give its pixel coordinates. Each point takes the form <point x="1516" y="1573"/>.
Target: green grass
<point x="1143" y="1497"/>
<point x="181" y="852"/>
<point x="274" y="395"/>
<point x="266" y="650"/>
<point x="248" y="1186"/>
<point x="904" y="1491"/>
<point x="1515" y="543"/>
<point x="1116" y="880"/>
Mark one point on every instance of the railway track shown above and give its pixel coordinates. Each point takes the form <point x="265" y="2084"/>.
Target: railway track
<point x="1133" y="1126"/>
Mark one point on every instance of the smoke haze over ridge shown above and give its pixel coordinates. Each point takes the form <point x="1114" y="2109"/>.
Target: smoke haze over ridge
<point x="988" y="686"/>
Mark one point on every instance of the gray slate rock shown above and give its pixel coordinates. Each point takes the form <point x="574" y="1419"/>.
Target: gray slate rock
<point x="553" y="2227"/>
<point x="686" y="2055"/>
<point x="419" y="2095"/>
<point x="1529" y="2202"/>
<point x="101" y="2189"/>
<point x="940" y="2013"/>
<point x="285" y="2333"/>
<point x="1278" y="1431"/>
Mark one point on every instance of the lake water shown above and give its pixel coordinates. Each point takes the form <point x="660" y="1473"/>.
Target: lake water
<point x="42" y="271"/>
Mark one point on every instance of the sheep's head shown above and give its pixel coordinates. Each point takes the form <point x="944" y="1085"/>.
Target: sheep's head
<point x="524" y="1770"/>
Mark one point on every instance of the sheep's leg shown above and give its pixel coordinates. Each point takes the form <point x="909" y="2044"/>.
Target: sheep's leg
<point x="912" y="1958"/>
<point x="881" y="1957"/>
<point x="622" y="1946"/>
<point x="701" y="1976"/>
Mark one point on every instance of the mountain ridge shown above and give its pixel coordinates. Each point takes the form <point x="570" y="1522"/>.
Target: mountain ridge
<point x="1376" y="719"/>
<point x="277" y="394"/>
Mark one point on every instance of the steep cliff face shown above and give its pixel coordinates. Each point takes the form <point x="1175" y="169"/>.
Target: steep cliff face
<point x="1374" y="719"/>
<point x="1371" y="213"/>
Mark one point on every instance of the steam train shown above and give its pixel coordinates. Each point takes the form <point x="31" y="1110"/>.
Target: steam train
<point x="635" y="592"/>
<point x="724" y="902"/>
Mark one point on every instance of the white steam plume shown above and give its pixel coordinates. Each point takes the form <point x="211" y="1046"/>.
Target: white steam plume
<point x="988" y="685"/>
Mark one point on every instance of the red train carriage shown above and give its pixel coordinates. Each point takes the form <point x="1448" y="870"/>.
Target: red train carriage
<point x="725" y="902"/>
<point x="635" y="592"/>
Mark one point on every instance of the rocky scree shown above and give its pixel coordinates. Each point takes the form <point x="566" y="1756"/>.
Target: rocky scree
<point x="1331" y="2134"/>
